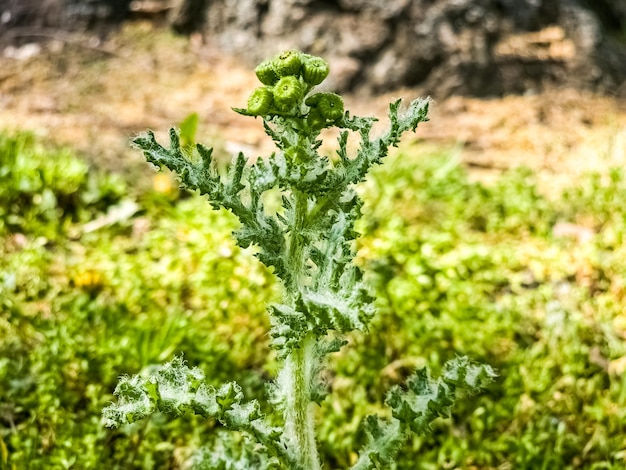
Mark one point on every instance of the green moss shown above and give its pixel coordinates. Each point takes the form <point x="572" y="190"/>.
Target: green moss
<point x="78" y="311"/>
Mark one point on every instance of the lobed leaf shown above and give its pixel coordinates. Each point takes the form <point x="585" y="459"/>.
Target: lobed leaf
<point x="176" y="389"/>
<point x="415" y="406"/>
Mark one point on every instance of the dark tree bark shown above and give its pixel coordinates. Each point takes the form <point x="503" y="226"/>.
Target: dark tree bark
<point x="188" y="16"/>
<point x="475" y="47"/>
<point x="69" y="15"/>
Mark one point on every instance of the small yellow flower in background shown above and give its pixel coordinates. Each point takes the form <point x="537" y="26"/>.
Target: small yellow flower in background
<point x="163" y="183"/>
<point x="89" y="280"/>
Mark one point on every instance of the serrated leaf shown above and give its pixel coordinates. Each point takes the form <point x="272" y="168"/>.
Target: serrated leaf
<point x="426" y="399"/>
<point x="384" y="439"/>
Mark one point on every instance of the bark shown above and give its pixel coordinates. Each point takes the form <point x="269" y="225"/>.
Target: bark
<point x="188" y="16"/>
<point x="472" y="47"/>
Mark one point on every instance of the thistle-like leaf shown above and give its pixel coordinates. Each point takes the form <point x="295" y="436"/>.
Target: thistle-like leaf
<point x="415" y="406"/>
<point x="384" y="439"/>
<point x="200" y="175"/>
<point x="373" y="151"/>
<point x="425" y="399"/>
<point x="175" y="389"/>
<point x="229" y="455"/>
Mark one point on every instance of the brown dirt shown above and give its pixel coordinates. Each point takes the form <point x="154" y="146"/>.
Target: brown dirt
<point x="95" y="97"/>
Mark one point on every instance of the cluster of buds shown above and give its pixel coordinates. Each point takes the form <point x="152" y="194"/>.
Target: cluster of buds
<point x="288" y="79"/>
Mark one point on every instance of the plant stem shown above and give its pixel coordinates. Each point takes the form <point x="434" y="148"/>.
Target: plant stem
<point x="299" y="409"/>
<point x="296" y="243"/>
<point x="296" y="377"/>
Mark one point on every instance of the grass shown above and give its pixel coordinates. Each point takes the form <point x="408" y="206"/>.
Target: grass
<point x="458" y="267"/>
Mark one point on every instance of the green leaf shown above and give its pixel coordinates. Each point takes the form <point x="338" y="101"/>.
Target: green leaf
<point x="176" y="389"/>
<point x="188" y="128"/>
<point x="384" y="439"/>
<point x="425" y="399"/>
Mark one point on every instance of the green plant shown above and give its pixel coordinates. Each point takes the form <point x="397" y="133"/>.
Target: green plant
<point x="40" y="188"/>
<point x="307" y="238"/>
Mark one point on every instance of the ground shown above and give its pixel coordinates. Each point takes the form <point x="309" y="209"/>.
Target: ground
<point x="94" y="96"/>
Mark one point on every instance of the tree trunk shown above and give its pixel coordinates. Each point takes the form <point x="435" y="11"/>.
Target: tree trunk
<point x="188" y="16"/>
<point x="473" y="47"/>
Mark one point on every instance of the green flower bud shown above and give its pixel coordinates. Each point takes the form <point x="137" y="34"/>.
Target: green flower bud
<point x="330" y="106"/>
<point x="314" y="69"/>
<point x="313" y="100"/>
<point x="265" y="73"/>
<point x="315" y="120"/>
<point x="287" y="63"/>
<point x="287" y="92"/>
<point x="260" y="101"/>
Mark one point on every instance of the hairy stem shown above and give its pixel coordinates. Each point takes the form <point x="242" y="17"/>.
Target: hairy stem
<point x="299" y="409"/>
<point x="296" y="243"/>
<point x="296" y="377"/>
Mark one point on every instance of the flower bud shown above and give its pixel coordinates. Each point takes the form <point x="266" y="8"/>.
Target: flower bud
<point x="260" y="101"/>
<point x="330" y="106"/>
<point x="287" y="92"/>
<point x="265" y="73"/>
<point x="315" y="120"/>
<point x="287" y="63"/>
<point x="313" y="100"/>
<point x="314" y="69"/>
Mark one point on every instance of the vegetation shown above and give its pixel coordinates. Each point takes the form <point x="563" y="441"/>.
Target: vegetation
<point x="297" y="209"/>
<point x="458" y="268"/>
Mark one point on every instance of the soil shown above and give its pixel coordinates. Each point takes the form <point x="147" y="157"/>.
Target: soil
<point x="94" y="95"/>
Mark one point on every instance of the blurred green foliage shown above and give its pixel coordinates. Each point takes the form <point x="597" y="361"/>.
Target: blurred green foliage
<point x="459" y="268"/>
<point x="43" y="192"/>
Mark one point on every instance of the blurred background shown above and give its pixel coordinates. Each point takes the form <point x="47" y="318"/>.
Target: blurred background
<point x="79" y="70"/>
<point x="495" y="231"/>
